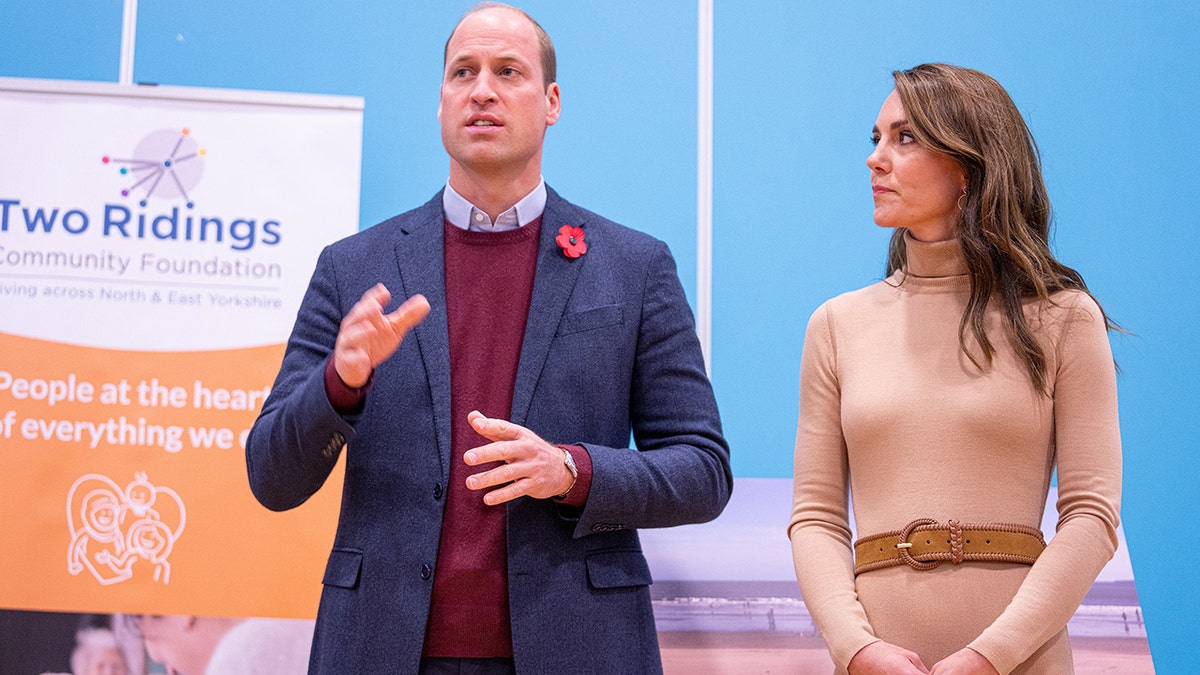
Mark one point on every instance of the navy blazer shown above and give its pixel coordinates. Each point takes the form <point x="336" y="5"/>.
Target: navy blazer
<point x="610" y="350"/>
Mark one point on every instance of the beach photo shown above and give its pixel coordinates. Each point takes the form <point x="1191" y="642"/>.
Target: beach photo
<point x="726" y="598"/>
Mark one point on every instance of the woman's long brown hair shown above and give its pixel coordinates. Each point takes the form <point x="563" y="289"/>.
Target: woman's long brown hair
<point x="1004" y="226"/>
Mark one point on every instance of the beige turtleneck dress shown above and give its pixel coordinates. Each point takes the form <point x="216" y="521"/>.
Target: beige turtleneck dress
<point x="895" y="415"/>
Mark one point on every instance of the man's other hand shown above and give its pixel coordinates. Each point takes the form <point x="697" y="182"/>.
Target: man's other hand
<point x="531" y="466"/>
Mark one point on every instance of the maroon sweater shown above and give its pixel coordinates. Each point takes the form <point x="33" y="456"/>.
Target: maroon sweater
<point x="489" y="283"/>
<point x="489" y="280"/>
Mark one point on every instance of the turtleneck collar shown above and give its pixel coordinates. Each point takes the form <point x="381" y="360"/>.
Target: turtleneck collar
<point x="933" y="259"/>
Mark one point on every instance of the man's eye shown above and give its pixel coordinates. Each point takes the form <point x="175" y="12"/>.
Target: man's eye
<point x="508" y="72"/>
<point x="461" y="72"/>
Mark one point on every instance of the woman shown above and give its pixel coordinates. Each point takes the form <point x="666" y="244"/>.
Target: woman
<point x="943" y="398"/>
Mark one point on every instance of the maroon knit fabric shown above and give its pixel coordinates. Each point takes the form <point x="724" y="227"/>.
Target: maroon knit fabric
<point x="489" y="282"/>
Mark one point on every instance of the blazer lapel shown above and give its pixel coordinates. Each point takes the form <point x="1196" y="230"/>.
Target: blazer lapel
<point x="421" y="261"/>
<point x="553" y="282"/>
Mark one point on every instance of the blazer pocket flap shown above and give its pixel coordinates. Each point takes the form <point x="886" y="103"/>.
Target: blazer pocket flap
<point x="343" y="568"/>
<point x="617" y="569"/>
<point x="590" y="319"/>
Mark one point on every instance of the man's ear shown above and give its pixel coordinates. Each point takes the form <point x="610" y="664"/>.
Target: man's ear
<point x="553" y="104"/>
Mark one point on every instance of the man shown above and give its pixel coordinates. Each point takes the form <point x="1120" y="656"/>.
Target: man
<point x="467" y="538"/>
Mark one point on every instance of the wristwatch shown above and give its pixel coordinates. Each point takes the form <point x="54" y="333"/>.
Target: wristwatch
<point x="570" y="462"/>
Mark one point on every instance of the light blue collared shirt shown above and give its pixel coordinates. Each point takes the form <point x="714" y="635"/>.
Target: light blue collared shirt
<point x="463" y="214"/>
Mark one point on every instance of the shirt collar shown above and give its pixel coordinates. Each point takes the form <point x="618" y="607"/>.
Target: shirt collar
<point x="463" y="214"/>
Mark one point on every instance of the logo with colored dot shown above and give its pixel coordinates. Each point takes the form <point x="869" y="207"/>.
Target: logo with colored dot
<point x="166" y="164"/>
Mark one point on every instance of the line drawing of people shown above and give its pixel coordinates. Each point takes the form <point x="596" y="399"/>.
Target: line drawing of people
<point x="140" y="522"/>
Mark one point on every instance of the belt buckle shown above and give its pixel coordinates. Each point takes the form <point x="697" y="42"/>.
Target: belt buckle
<point x="905" y="544"/>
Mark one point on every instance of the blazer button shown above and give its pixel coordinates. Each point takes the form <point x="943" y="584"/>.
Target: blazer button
<point x="437" y="490"/>
<point x="426" y="571"/>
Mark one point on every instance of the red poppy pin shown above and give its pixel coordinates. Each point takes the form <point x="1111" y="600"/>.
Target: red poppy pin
<point x="571" y="241"/>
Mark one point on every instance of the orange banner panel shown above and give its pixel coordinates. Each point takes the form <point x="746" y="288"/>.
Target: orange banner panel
<point x="124" y="486"/>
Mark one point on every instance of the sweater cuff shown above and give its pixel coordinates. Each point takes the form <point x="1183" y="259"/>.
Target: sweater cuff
<point x="578" y="494"/>
<point x="995" y="654"/>
<point x="345" y="399"/>
<point x="843" y="654"/>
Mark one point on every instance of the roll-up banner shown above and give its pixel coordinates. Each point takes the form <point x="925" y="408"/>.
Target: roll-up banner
<point x="155" y="243"/>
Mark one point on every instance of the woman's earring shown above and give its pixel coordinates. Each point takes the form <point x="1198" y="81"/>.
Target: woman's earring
<point x="961" y="198"/>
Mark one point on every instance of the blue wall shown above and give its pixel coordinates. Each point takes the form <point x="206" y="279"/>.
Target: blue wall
<point x="1110" y="90"/>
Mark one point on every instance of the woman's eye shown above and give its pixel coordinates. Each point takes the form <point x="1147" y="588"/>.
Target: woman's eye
<point x="907" y="137"/>
<point x="874" y="139"/>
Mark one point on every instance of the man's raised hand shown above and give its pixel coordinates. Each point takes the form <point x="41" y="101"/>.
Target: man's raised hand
<point x="367" y="336"/>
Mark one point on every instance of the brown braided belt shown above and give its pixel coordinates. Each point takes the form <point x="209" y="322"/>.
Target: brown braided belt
<point x="925" y="543"/>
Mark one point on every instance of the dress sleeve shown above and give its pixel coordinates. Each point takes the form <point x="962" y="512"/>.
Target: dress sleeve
<point x="820" y="524"/>
<point x="1088" y="455"/>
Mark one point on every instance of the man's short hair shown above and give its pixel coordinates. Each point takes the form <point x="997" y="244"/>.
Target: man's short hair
<point x="545" y="46"/>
